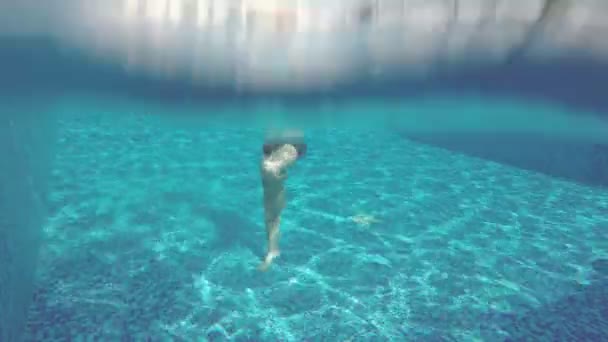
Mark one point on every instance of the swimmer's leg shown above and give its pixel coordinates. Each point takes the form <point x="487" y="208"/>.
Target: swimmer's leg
<point x="274" y="173"/>
<point x="272" y="235"/>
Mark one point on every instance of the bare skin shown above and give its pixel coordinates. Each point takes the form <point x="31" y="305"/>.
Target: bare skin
<point x="274" y="172"/>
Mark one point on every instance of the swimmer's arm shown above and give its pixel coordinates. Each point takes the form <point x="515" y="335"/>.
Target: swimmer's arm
<point x="280" y="159"/>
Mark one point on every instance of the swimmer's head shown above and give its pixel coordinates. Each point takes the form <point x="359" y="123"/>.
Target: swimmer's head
<point x="287" y="136"/>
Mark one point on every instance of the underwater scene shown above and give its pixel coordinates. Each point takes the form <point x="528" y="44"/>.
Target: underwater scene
<point x="143" y="190"/>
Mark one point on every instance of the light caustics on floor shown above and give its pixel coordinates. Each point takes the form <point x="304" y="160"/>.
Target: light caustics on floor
<point x="420" y="243"/>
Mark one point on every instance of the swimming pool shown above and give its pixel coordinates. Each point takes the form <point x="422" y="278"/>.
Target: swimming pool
<point x="155" y="220"/>
<point x="155" y="234"/>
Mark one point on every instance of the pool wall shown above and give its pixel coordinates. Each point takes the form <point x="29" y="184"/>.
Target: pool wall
<point x="580" y="162"/>
<point x="25" y="154"/>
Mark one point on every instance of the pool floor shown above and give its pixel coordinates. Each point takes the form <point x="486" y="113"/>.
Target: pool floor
<point x="155" y="235"/>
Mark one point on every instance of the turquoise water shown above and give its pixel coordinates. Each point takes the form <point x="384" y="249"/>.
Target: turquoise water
<point x="448" y="200"/>
<point x="155" y="233"/>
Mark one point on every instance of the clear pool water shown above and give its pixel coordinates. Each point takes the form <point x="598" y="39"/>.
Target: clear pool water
<point x="155" y="234"/>
<point x="465" y="201"/>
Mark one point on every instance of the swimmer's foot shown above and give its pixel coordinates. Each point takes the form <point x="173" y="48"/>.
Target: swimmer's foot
<point x="265" y="265"/>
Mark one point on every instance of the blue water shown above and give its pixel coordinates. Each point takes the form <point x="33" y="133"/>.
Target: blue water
<point x="155" y="232"/>
<point x="154" y="224"/>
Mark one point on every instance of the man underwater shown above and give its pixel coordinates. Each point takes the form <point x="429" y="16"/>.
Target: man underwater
<point x="280" y="151"/>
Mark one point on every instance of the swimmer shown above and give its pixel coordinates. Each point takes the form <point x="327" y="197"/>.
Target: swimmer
<point x="280" y="151"/>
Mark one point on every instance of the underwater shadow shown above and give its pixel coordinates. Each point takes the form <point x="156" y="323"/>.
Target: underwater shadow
<point x="231" y="229"/>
